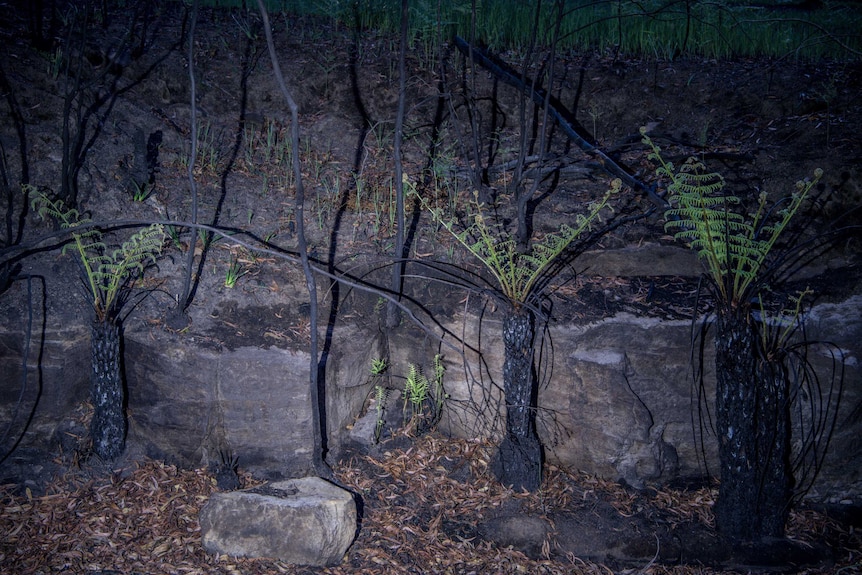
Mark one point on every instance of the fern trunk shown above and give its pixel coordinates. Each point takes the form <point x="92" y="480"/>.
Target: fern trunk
<point x="774" y="453"/>
<point x="752" y="420"/>
<point x="519" y="460"/>
<point x="108" y="427"/>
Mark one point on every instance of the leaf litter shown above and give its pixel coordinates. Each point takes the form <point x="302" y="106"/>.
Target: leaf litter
<point x="421" y="505"/>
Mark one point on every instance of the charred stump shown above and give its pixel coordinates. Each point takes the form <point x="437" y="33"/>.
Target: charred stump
<point x="518" y="461"/>
<point x="108" y="426"/>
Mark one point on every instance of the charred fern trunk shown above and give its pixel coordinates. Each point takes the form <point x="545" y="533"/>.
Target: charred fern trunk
<point x="773" y="441"/>
<point x="752" y="418"/>
<point x="519" y="460"/>
<point x="108" y="427"/>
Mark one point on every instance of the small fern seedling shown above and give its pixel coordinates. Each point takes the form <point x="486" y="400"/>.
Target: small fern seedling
<point x="381" y="395"/>
<point x="379" y="366"/>
<point x="415" y="391"/>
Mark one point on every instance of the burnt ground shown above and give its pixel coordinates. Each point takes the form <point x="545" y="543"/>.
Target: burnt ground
<point x="430" y="505"/>
<point x="764" y="124"/>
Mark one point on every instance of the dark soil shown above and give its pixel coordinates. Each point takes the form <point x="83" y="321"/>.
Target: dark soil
<point x="763" y="124"/>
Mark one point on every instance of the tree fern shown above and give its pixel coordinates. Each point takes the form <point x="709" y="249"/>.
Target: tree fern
<point x="757" y="371"/>
<point x="106" y="274"/>
<point x="732" y="246"/>
<point x="516" y="272"/>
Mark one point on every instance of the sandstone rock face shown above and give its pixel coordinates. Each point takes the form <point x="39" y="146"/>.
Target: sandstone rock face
<point x="840" y="324"/>
<point x="645" y="260"/>
<point x="348" y="381"/>
<point x="616" y="396"/>
<point x="618" y="404"/>
<point x="52" y="386"/>
<point x="187" y="402"/>
<point x="301" y="521"/>
<point x="57" y="366"/>
<point x="378" y="420"/>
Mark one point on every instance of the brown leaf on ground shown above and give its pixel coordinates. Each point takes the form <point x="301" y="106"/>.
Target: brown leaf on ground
<point x="420" y="504"/>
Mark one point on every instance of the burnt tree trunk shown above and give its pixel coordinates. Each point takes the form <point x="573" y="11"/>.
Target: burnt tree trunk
<point x="108" y="427"/>
<point x="752" y="422"/>
<point x="773" y="455"/>
<point x="519" y="460"/>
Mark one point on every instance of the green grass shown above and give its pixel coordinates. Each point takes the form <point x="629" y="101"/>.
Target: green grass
<point x="657" y="28"/>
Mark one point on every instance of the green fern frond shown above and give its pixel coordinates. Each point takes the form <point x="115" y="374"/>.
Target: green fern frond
<point x="87" y="240"/>
<point x="701" y="186"/>
<point x="439" y="370"/>
<point x="45" y="207"/>
<point x="379" y="365"/>
<point x="143" y="246"/>
<point x="130" y="260"/>
<point x="515" y="272"/>
<point x="106" y="274"/>
<point x="415" y="389"/>
<point x="733" y="247"/>
<point x="87" y="244"/>
<point x="381" y="395"/>
<point x="785" y="321"/>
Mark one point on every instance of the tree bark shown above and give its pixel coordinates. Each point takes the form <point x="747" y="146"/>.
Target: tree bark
<point x="108" y="426"/>
<point x="317" y="391"/>
<point x="773" y="442"/>
<point x="752" y="422"/>
<point x="519" y="460"/>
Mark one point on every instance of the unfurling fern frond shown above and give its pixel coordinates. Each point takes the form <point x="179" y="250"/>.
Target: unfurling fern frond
<point x="415" y="389"/>
<point x="733" y="247"/>
<point x="129" y="261"/>
<point x="46" y="207"/>
<point x="516" y="272"/>
<point x="106" y="274"/>
<point x="87" y="241"/>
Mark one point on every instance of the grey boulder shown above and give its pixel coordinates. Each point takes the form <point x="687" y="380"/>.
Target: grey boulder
<point x="306" y="521"/>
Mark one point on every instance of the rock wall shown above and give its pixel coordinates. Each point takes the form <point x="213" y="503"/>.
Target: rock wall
<point x="617" y="397"/>
<point x="622" y="392"/>
<point x="839" y="327"/>
<point x="188" y="403"/>
<point x="619" y="400"/>
<point x="53" y="385"/>
<point x="615" y="400"/>
<point x="57" y="356"/>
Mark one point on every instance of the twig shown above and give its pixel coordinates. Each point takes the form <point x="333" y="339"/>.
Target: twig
<point x="654" y="557"/>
